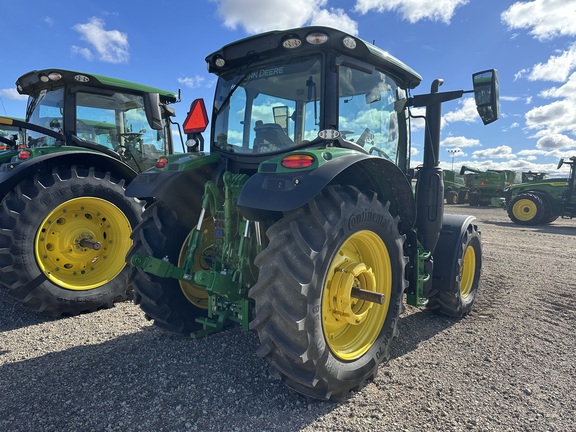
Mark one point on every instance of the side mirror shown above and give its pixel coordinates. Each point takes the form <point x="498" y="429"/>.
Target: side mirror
<point x="486" y="93"/>
<point x="152" y="108"/>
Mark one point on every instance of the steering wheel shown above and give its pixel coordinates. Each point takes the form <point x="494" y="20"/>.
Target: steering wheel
<point x="380" y="152"/>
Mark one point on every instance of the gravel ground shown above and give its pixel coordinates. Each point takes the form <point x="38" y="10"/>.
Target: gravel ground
<point x="508" y="366"/>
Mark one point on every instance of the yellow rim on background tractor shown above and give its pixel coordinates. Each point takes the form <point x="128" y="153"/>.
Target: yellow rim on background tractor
<point x="82" y="243"/>
<point x="468" y="271"/>
<point x="195" y="294"/>
<point x="524" y="209"/>
<point x="350" y="325"/>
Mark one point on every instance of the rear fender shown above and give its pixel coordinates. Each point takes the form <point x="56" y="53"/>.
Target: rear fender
<point x="11" y="175"/>
<point x="180" y="185"/>
<point x="268" y="194"/>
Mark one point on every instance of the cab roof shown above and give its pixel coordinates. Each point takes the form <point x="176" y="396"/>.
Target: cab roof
<point x="270" y="45"/>
<point x="40" y="79"/>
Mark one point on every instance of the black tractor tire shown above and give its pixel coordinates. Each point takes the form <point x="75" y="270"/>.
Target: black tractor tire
<point x="463" y="196"/>
<point x="162" y="234"/>
<point x="474" y="199"/>
<point x="549" y="216"/>
<point x="457" y="267"/>
<point x="318" y="339"/>
<point x="452" y="197"/>
<point x="527" y="209"/>
<point x="63" y="239"/>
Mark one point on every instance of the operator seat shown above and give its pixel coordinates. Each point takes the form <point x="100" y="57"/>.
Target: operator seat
<point x="270" y="136"/>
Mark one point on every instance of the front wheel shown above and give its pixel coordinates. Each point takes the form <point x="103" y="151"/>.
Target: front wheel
<point x="63" y="239"/>
<point x="527" y="209"/>
<point x="457" y="267"/>
<point x="329" y="291"/>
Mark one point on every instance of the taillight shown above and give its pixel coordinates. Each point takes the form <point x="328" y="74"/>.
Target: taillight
<point x="297" y="161"/>
<point x="161" y="162"/>
<point x="3" y="147"/>
<point x="24" y="154"/>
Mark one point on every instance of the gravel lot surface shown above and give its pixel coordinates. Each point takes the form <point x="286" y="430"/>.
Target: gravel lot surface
<point x="508" y="366"/>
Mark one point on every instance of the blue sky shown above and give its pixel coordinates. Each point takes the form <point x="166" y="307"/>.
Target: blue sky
<point x="164" y="43"/>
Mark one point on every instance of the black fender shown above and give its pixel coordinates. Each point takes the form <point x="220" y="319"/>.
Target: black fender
<point x="268" y="194"/>
<point x="180" y="190"/>
<point x="11" y="175"/>
<point x="454" y="228"/>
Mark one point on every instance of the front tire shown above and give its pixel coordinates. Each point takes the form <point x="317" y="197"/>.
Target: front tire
<point x="527" y="209"/>
<point x="318" y="338"/>
<point x="63" y="239"/>
<point x="457" y="267"/>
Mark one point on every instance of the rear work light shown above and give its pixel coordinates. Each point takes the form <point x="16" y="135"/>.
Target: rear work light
<point x="297" y="161"/>
<point x="197" y="118"/>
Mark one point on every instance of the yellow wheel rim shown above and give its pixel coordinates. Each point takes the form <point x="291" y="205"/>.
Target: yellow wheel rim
<point x="351" y="325"/>
<point x="468" y="272"/>
<point x="524" y="209"/>
<point x="195" y="294"/>
<point x="82" y="243"/>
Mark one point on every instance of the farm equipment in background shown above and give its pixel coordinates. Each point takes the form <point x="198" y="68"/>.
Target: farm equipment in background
<point x="455" y="190"/>
<point x="307" y="230"/>
<point x="487" y="187"/>
<point x="65" y="222"/>
<point x="543" y="201"/>
<point x="10" y="139"/>
<point x="530" y="176"/>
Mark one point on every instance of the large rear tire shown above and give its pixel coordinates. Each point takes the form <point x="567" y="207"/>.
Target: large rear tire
<point x="63" y="239"/>
<point x="527" y="209"/>
<point x="318" y="338"/>
<point x="173" y="305"/>
<point x="457" y="267"/>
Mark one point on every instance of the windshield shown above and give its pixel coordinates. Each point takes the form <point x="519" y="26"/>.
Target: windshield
<point x="367" y="114"/>
<point x="115" y="120"/>
<point x="266" y="109"/>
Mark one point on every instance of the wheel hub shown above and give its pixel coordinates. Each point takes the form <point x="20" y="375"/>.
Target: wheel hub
<point x="344" y="305"/>
<point x="82" y="243"/>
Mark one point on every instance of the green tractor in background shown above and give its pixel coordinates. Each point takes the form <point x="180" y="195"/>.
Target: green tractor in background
<point x="11" y="139"/>
<point x="65" y="222"/>
<point x="543" y="201"/>
<point x="487" y="187"/>
<point x="307" y="230"/>
<point x="530" y="176"/>
<point x="455" y="190"/>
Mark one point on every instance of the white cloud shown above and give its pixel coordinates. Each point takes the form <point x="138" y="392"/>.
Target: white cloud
<point x="49" y="21"/>
<point x="413" y="10"/>
<point x="557" y="117"/>
<point x="554" y="141"/>
<point x="335" y="18"/>
<point x="11" y="93"/>
<point x="459" y="142"/>
<point x="110" y="45"/>
<point x="500" y="152"/>
<point x="546" y="19"/>
<point x="192" y="82"/>
<point x="557" y="68"/>
<point x="257" y="16"/>
<point x="467" y="112"/>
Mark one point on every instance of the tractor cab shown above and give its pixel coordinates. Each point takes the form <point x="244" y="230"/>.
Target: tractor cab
<point x="128" y="121"/>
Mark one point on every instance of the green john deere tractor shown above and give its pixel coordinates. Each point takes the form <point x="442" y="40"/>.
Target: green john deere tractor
<point x="543" y="201"/>
<point x="455" y="190"/>
<point x="487" y="187"/>
<point x="65" y="222"/>
<point x="307" y="230"/>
